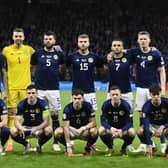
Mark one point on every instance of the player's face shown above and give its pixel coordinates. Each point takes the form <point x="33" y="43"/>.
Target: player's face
<point x="115" y="96"/>
<point x="49" y="41"/>
<point x="83" y="43"/>
<point x="18" y="38"/>
<point x="143" y="40"/>
<point x="77" y="101"/>
<point x="32" y="95"/>
<point x="156" y="98"/>
<point x="117" y="47"/>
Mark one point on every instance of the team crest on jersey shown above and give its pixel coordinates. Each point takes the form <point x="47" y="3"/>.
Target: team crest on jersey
<point x="90" y="60"/>
<point x="83" y="114"/>
<point x="163" y="110"/>
<point x="121" y="113"/>
<point x="124" y="60"/>
<point x="55" y="57"/>
<point x="149" y="58"/>
<point x="37" y="110"/>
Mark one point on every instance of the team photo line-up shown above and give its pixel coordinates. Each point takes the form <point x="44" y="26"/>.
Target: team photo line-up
<point x="25" y="108"/>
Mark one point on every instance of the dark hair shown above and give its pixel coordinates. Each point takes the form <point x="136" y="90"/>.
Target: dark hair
<point x="118" y="39"/>
<point x="83" y="36"/>
<point x="18" y="30"/>
<point x="77" y="92"/>
<point x="155" y="89"/>
<point x="114" y="87"/>
<point x="50" y="33"/>
<point x="32" y="86"/>
<point x="144" y="33"/>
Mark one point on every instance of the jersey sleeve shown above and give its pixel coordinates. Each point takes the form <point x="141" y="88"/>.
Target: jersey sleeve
<point x="3" y="109"/>
<point x="104" y="118"/>
<point x="66" y="114"/>
<point x="146" y="122"/>
<point x="34" y="59"/>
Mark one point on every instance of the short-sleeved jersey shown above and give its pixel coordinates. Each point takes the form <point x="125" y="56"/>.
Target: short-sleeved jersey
<point x="119" y="72"/>
<point x="32" y="114"/>
<point x="147" y="65"/>
<point x="78" y="118"/>
<point x="118" y="117"/>
<point x="157" y="114"/>
<point x="18" y="66"/>
<point x="3" y="109"/>
<point x="47" y="71"/>
<point x="83" y="67"/>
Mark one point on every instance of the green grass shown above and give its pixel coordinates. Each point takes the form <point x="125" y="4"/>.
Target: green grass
<point x="51" y="159"/>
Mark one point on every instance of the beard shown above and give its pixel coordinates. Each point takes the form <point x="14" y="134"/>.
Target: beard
<point x="49" y="46"/>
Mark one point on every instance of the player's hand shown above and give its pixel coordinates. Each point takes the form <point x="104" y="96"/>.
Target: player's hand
<point x="69" y="151"/>
<point x="153" y="48"/>
<point x="149" y="151"/>
<point x="159" y="131"/>
<point x="114" y="132"/>
<point x="21" y="132"/>
<point x="4" y="95"/>
<point x="34" y="131"/>
<point x="163" y="92"/>
<point x="79" y="131"/>
<point x="110" y="57"/>
<point x="119" y="132"/>
<point x="58" y="48"/>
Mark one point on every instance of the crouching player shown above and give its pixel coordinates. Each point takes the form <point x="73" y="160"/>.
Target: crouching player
<point x="35" y="115"/>
<point x="155" y="118"/>
<point x="4" y="131"/>
<point x="79" y="123"/>
<point x="116" y="122"/>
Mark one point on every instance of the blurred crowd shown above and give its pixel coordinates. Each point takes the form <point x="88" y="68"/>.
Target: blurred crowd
<point x="102" y="20"/>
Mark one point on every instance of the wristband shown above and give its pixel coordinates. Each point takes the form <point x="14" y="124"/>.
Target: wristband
<point x="84" y="128"/>
<point x="68" y="145"/>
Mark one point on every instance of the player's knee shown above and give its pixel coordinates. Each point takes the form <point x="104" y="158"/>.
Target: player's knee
<point x="93" y="132"/>
<point x="58" y="132"/>
<point x="14" y="132"/>
<point x="140" y="131"/>
<point x="131" y="132"/>
<point x="101" y="131"/>
<point x="166" y="132"/>
<point x="48" y="131"/>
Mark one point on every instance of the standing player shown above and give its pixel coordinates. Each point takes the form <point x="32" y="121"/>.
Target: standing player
<point x="155" y="118"/>
<point x="17" y="74"/>
<point x="150" y="69"/>
<point x="116" y="121"/>
<point x="48" y="61"/>
<point x="79" y="123"/>
<point x="83" y="65"/>
<point x="4" y="131"/>
<point x="119" y="71"/>
<point x="35" y="114"/>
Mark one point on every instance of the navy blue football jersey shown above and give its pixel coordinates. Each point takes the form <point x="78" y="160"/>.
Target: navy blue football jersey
<point x="83" y="67"/>
<point x="118" y="117"/>
<point x="119" y="72"/>
<point x="3" y="109"/>
<point x="147" y="65"/>
<point x="47" y="71"/>
<point x="80" y="117"/>
<point x="32" y="114"/>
